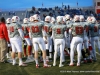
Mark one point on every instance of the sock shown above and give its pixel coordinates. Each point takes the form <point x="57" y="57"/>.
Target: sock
<point x="47" y="58"/>
<point x="83" y="53"/>
<point x="7" y="55"/>
<point x="36" y="61"/>
<point x="29" y="50"/>
<point x="50" y="55"/>
<point x="44" y="61"/>
<point x="20" y="61"/>
<point x="14" y="60"/>
<point x="25" y="50"/>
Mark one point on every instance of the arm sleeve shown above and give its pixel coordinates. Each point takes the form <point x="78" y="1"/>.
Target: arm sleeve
<point x="21" y="33"/>
<point x="5" y="33"/>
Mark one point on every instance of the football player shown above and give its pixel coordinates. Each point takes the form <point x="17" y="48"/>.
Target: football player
<point x="27" y="40"/>
<point x="47" y="29"/>
<point x="77" y="40"/>
<point x="36" y="34"/>
<point x="16" y="35"/>
<point x="94" y="34"/>
<point x="58" y="32"/>
<point x="8" y="22"/>
<point x="85" y="38"/>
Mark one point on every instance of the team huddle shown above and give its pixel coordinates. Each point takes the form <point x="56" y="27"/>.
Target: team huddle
<point x="54" y="37"/>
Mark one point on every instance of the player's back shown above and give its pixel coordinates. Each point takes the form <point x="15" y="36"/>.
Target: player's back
<point x="36" y="29"/>
<point x="59" y="31"/>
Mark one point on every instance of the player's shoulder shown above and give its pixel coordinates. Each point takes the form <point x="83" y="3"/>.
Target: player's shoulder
<point x="40" y="23"/>
<point x="76" y="24"/>
<point x="23" y="24"/>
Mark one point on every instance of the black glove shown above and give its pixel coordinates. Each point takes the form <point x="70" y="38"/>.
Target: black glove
<point x="23" y="41"/>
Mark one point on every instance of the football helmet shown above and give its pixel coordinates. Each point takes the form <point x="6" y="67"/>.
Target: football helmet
<point x="25" y="20"/>
<point x="89" y="19"/>
<point x="53" y="20"/>
<point x="15" y="19"/>
<point x="31" y="19"/>
<point x="93" y="19"/>
<point x="82" y="18"/>
<point x="36" y="17"/>
<point x="48" y="18"/>
<point x="76" y="18"/>
<point x="59" y="19"/>
<point x="8" y="20"/>
<point x="64" y="19"/>
<point x="67" y="17"/>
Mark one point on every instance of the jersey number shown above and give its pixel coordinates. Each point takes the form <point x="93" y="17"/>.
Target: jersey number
<point x="87" y="29"/>
<point x="46" y="28"/>
<point x="35" y="29"/>
<point x="79" y="30"/>
<point x="58" y="31"/>
<point x="25" y="28"/>
<point x="11" y="29"/>
<point x="95" y="29"/>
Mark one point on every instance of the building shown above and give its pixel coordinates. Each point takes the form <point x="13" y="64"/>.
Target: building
<point x="97" y="6"/>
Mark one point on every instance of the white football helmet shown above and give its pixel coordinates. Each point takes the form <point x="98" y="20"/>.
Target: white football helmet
<point x="25" y="20"/>
<point x="67" y="17"/>
<point x="53" y="20"/>
<point x="64" y="19"/>
<point x="8" y="20"/>
<point x="36" y="17"/>
<point x="59" y="19"/>
<point x="82" y="18"/>
<point x="15" y="19"/>
<point x="48" y="18"/>
<point x="31" y="19"/>
<point x="89" y="19"/>
<point x="76" y="18"/>
<point x="93" y="19"/>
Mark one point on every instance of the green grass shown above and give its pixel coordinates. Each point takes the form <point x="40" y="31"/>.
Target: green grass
<point x="9" y="69"/>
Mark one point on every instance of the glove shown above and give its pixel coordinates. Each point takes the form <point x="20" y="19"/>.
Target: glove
<point x="23" y="41"/>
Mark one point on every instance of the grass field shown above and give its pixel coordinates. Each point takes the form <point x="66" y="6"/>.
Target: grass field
<point x="85" y="69"/>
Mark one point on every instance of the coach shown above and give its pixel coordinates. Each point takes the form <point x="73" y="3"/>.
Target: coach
<point x="3" y="39"/>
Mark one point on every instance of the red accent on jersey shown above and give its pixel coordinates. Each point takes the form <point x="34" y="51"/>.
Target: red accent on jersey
<point x="46" y="28"/>
<point x="23" y="28"/>
<point x="11" y="29"/>
<point x="95" y="29"/>
<point x="26" y="36"/>
<point x="27" y="28"/>
<point x="35" y="29"/>
<point x="87" y="29"/>
<point x="79" y="30"/>
<point x="58" y="30"/>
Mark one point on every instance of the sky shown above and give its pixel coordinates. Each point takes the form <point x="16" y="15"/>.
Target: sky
<point x="15" y="4"/>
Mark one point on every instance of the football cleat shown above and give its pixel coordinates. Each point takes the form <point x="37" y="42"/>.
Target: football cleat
<point x="61" y="65"/>
<point x="46" y="66"/>
<point x="37" y="66"/>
